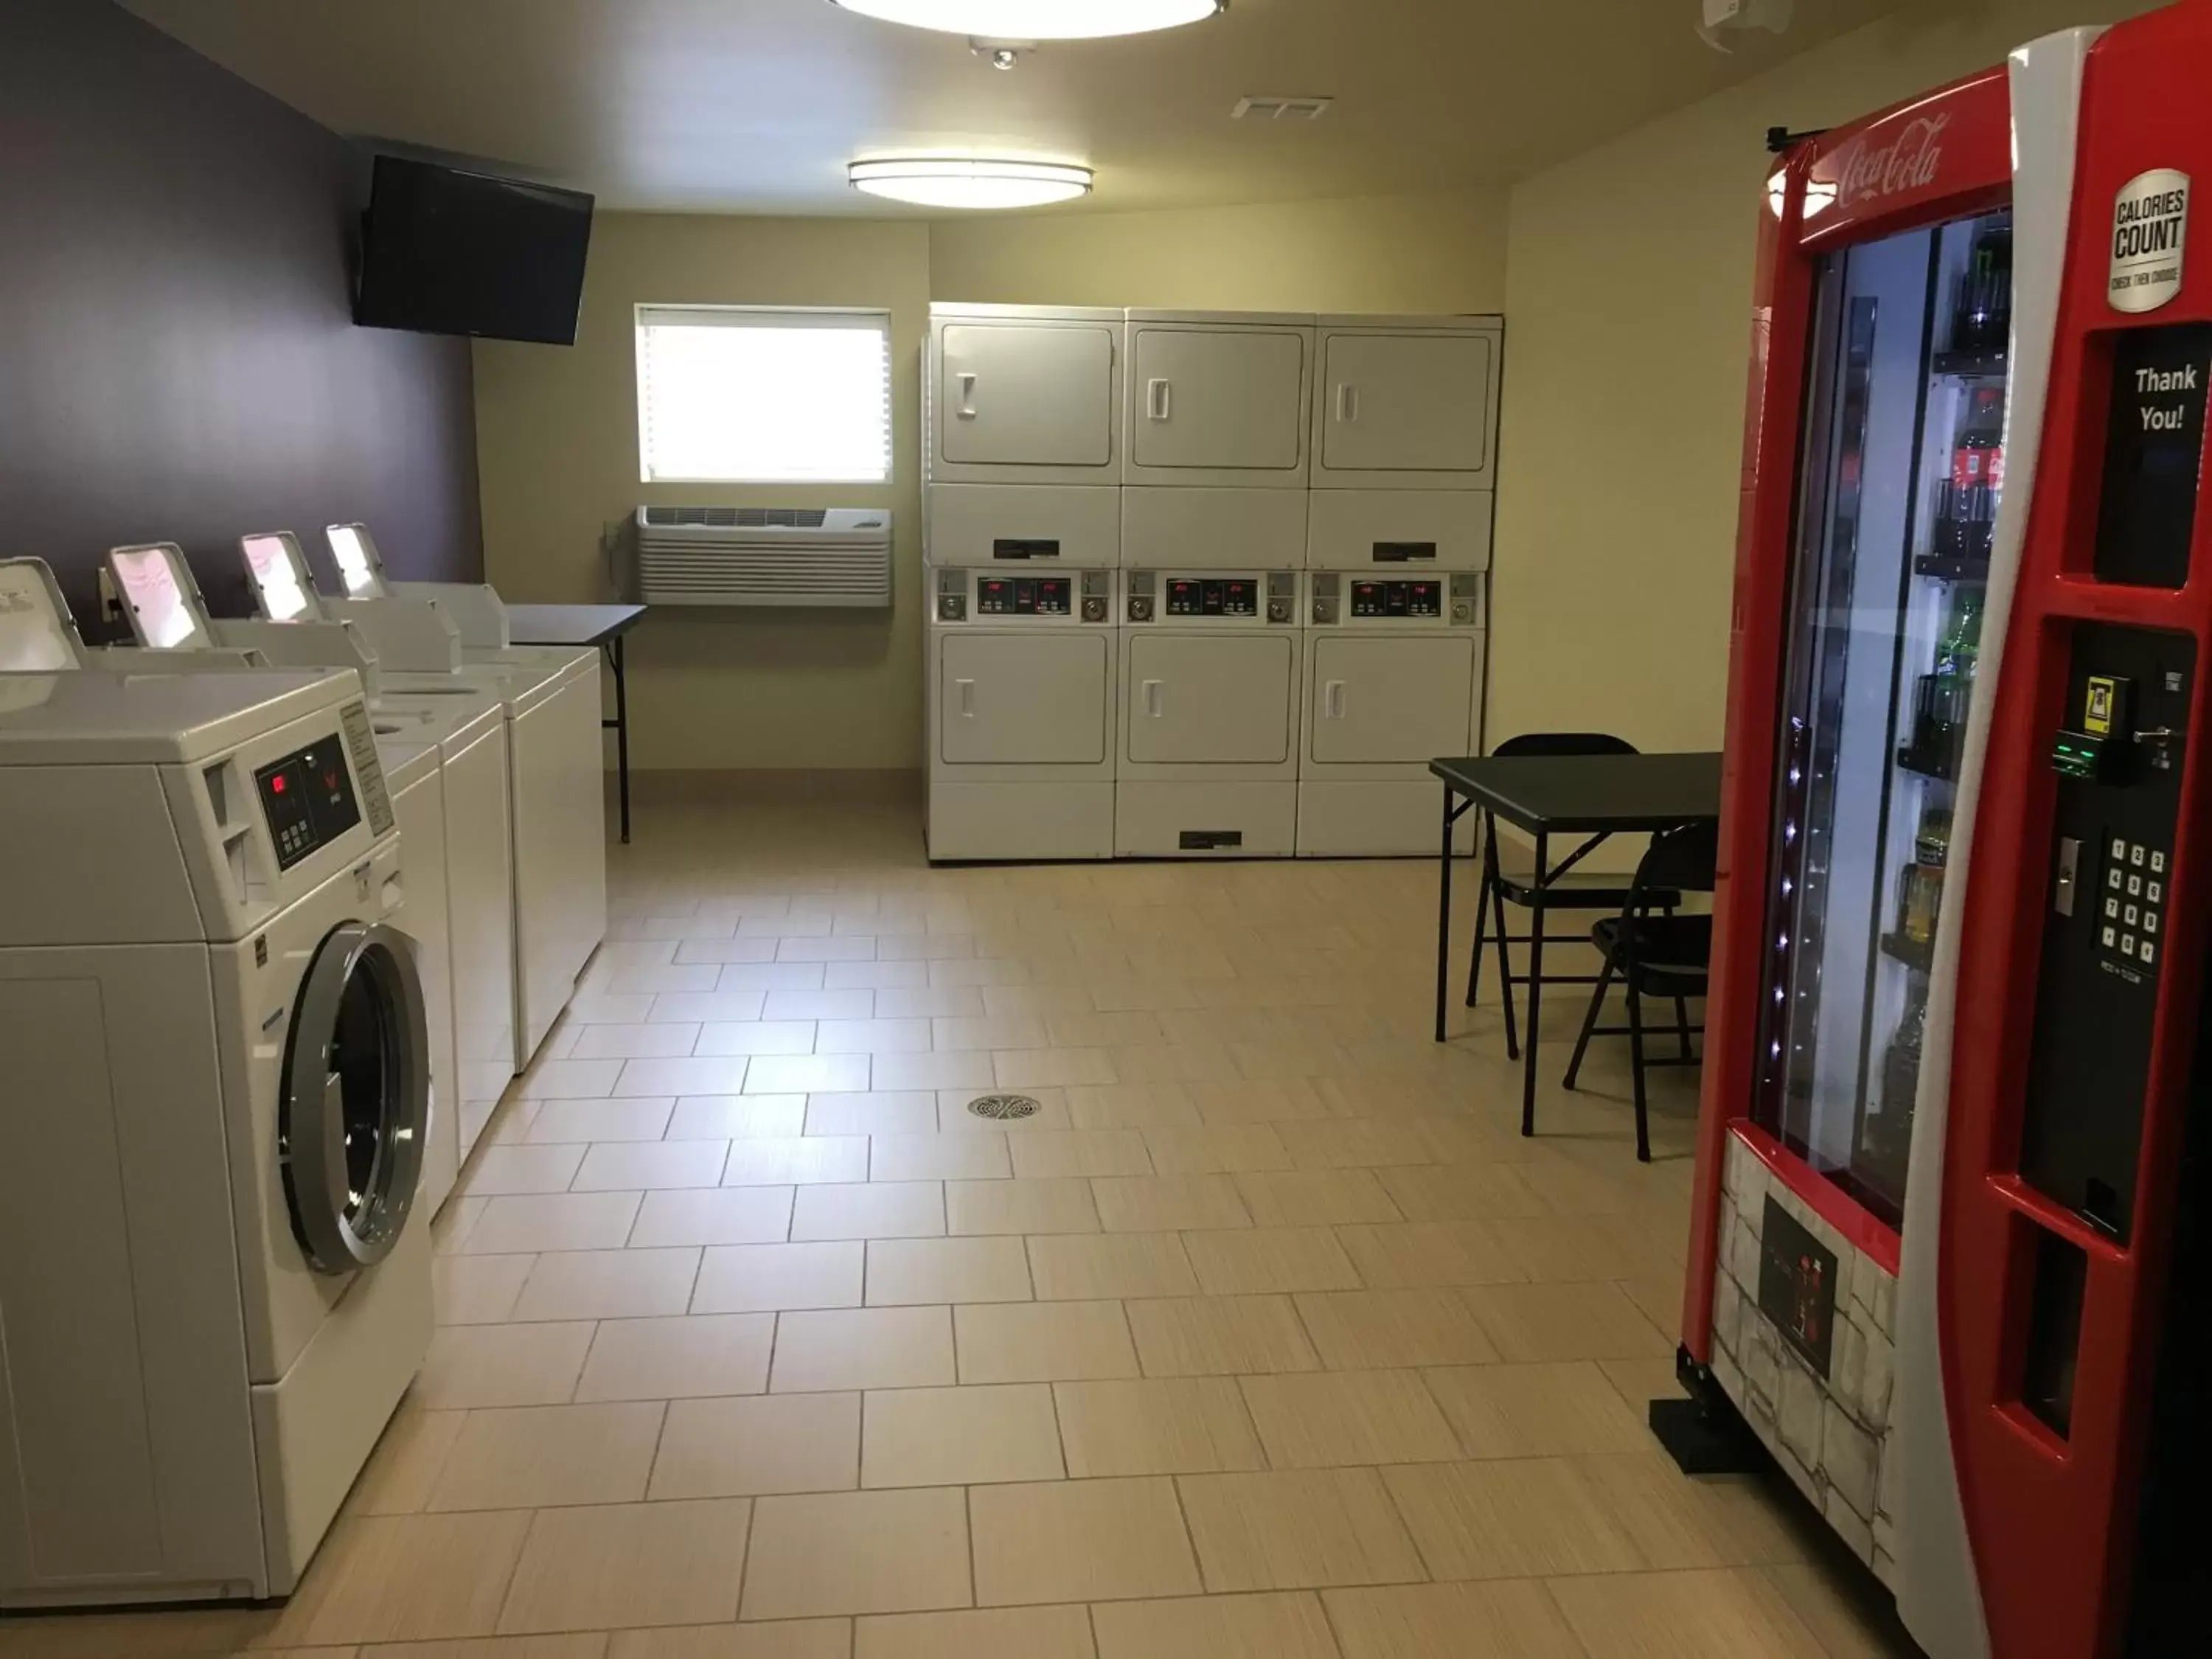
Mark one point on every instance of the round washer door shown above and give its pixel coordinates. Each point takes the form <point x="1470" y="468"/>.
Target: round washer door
<point x="355" y="1109"/>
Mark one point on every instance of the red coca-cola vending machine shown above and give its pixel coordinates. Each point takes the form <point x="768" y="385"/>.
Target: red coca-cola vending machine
<point x="1955" y="1187"/>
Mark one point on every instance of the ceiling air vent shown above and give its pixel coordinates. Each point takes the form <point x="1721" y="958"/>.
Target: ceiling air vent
<point x="1280" y="109"/>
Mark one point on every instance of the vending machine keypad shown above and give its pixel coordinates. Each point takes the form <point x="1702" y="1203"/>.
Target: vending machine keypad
<point x="2131" y="920"/>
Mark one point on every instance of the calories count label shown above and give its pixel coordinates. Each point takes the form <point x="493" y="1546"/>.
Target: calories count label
<point x="2150" y="222"/>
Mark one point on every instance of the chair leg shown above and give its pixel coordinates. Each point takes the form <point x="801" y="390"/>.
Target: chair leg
<point x="1589" y="1022"/>
<point x="1481" y="936"/>
<point x="1505" y="961"/>
<point x="1682" y="1025"/>
<point x="1636" y="1064"/>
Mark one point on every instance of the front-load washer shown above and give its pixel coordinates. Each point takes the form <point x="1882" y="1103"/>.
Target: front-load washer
<point x="1021" y="713"/>
<point x="1209" y="653"/>
<point x="215" y="1276"/>
<point x="462" y="814"/>
<point x="1397" y="650"/>
<point x="443" y="639"/>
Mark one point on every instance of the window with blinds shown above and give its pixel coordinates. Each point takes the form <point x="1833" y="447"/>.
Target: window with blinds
<point x="743" y="394"/>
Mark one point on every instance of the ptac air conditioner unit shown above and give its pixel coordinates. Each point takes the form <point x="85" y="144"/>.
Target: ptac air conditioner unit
<point x="764" y="555"/>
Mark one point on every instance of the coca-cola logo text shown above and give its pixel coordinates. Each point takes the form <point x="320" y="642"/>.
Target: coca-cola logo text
<point x="1911" y="160"/>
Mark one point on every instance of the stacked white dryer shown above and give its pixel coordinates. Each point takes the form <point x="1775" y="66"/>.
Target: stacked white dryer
<point x="1202" y="584"/>
<point x="1022" y="535"/>
<point x="1398" y="555"/>
<point x="1213" y="529"/>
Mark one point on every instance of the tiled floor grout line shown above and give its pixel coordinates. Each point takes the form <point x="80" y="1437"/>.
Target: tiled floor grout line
<point x="967" y="1504"/>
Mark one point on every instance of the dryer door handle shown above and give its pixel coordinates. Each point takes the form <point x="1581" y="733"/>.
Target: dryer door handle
<point x="1151" y="693"/>
<point x="967" y="410"/>
<point x="1332" y="700"/>
<point x="1159" y="399"/>
<point x="966" y="689"/>
<point x="1347" y="403"/>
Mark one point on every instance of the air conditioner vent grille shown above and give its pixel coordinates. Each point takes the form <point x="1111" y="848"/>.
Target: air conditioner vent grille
<point x="765" y="556"/>
<point x="739" y="518"/>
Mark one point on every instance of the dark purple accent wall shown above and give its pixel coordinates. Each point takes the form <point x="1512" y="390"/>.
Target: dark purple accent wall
<point x="178" y="358"/>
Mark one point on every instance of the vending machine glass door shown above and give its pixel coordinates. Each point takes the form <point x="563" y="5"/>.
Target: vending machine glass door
<point x="1902" y="461"/>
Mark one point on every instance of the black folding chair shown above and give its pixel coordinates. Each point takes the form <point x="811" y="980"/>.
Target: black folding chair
<point x="1654" y="952"/>
<point x="1561" y="888"/>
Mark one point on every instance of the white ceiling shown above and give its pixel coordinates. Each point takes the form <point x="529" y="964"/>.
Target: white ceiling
<point x="755" y="106"/>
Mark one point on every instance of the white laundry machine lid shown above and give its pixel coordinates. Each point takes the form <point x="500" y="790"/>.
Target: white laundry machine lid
<point x="160" y="598"/>
<point x="277" y="572"/>
<point x="100" y="717"/>
<point x="37" y="636"/>
<point x="361" y="566"/>
<point x="406" y="762"/>
<point x="450" y="719"/>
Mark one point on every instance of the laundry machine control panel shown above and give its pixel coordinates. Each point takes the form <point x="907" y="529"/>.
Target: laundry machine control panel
<point x="1397" y="599"/>
<point x="1049" y="596"/>
<point x="308" y="798"/>
<point x="1454" y="601"/>
<point x="1268" y="599"/>
<point x="988" y="596"/>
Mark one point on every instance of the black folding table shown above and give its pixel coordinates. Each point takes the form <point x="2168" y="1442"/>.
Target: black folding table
<point x="599" y="625"/>
<point x="1562" y="795"/>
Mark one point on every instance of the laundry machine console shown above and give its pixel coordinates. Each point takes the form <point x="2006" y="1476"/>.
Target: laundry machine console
<point x="1397" y="646"/>
<point x="1022" y="684"/>
<point x="214" y="1272"/>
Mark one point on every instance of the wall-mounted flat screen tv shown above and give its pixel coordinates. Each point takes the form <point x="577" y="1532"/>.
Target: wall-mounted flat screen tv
<point x="445" y="252"/>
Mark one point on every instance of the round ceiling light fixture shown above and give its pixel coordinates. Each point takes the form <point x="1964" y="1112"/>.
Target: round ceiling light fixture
<point x="958" y="182"/>
<point x="1039" y="19"/>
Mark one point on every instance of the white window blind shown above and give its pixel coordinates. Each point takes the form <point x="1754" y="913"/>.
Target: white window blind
<point x="739" y="394"/>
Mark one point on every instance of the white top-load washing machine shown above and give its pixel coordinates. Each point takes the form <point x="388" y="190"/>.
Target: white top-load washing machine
<point x="1210" y="652"/>
<point x="215" y="1278"/>
<point x="446" y="756"/>
<point x="1021" y="534"/>
<point x="441" y="638"/>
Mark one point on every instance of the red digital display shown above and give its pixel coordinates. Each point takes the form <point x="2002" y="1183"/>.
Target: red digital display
<point x="277" y="784"/>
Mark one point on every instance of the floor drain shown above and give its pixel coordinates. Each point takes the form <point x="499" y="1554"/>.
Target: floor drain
<point x="1003" y="1108"/>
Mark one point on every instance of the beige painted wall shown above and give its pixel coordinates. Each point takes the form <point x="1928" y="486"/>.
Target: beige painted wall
<point x="556" y="431"/>
<point x="1626" y="276"/>
<point x="1440" y="253"/>
<point x="556" y="438"/>
<point x="1628" y="309"/>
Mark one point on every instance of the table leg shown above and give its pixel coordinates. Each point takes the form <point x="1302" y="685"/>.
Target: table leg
<point x="1536" y="990"/>
<point x="1444" y="915"/>
<point x="615" y="658"/>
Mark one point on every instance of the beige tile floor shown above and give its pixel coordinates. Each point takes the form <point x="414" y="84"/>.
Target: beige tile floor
<point x="1267" y="1334"/>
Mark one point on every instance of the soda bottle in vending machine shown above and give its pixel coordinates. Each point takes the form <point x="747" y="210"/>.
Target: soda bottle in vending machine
<point x="1978" y="473"/>
<point x="1967" y="497"/>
